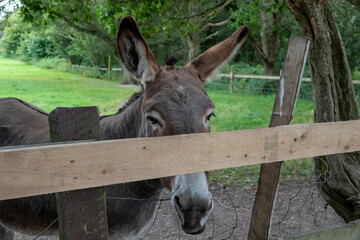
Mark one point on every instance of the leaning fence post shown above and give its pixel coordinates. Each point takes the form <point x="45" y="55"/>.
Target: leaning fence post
<point x="231" y="78"/>
<point x="81" y="214"/>
<point x="283" y="111"/>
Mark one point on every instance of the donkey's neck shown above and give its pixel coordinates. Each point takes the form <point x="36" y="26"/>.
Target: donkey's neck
<point x="126" y="214"/>
<point x="126" y="124"/>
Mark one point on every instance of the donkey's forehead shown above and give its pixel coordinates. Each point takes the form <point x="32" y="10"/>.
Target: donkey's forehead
<point x="170" y="80"/>
<point x="179" y="86"/>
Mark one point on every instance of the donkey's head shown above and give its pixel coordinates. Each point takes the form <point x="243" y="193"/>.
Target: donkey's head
<point x="175" y="102"/>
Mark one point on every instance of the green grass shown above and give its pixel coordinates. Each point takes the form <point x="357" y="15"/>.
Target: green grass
<point x="236" y="112"/>
<point x="48" y="89"/>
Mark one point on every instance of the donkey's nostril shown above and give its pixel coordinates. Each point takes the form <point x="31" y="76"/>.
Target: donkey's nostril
<point x="177" y="201"/>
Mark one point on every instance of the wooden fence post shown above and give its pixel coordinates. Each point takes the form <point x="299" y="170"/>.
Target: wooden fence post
<point x="81" y="214"/>
<point x="283" y="111"/>
<point x="231" y="78"/>
<point x="109" y="67"/>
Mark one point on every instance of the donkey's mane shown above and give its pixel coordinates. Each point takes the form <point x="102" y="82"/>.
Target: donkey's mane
<point x="128" y="103"/>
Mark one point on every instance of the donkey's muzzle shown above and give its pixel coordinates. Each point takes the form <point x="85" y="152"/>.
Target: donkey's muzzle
<point x="192" y="201"/>
<point x="193" y="218"/>
<point x="193" y="223"/>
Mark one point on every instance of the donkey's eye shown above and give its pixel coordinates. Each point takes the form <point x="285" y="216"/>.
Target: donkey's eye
<point x="209" y="117"/>
<point x="153" y="120"/>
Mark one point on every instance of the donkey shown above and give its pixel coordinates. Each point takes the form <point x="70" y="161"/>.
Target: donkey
<point x="172" y="101"/>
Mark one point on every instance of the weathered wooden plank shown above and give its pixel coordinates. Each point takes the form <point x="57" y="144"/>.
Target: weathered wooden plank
<point x="45" y="169"/>
<point x="82" y="213"/>
<point x="283" y="111"/>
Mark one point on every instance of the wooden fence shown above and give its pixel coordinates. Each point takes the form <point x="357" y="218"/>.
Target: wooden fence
<point x="36" y="170"/>
<point x="263" y="77"/>
<point x="57" y="168"/>
<point x="96" y="68"/>
<point x="231" y="75"/>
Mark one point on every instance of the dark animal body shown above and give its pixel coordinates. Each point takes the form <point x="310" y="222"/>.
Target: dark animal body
<point x="173" y="101"/>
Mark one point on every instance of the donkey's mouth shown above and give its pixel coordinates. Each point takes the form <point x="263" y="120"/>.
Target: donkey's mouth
<point x="193" y="221"/>
<point x="193" y="230"/>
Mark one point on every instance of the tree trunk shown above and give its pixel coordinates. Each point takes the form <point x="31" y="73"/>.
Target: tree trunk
<point x="193" y="43"/>
<point x="269" y="38"/>
<point x="338" y="176"/>
<point x="270" y="20"/>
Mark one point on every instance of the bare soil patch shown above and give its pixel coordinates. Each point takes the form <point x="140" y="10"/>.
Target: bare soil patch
<point x="299" y="209"/>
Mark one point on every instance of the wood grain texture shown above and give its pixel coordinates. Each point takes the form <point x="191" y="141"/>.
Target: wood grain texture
<point x="47" y="169"/>
<point x="282" y="114"/>
<point x="81" y="214"/>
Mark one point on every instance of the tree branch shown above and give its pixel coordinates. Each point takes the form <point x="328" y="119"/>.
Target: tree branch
<point x="64" y="36"/>
<point x="218" y="24"/>
<point x="298" y="12"/>
<point x="93" y="32"/>
<point x="218" y="10"/>
<point x="201" y="13"/>
<point x="256" y="46"/>
<point x="212" y="35"/>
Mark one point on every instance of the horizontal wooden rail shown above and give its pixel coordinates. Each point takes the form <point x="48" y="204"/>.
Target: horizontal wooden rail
<point x="56" y="168"/>
<point x="264" y="77"/>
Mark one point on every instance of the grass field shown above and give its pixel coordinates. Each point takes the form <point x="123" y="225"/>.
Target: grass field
<point x="48" y="89"/>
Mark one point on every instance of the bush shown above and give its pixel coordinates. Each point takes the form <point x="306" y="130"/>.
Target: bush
<point x="37" y="46"/>
<point x="52" y="63"/>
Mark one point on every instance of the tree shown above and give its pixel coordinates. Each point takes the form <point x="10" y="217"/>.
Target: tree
<point x="270" y="13"/>
<point x="201" y="21"/>
<point x="14" y="33"/>
<point x="334" y="100"/>
<point x="349" y="27"/>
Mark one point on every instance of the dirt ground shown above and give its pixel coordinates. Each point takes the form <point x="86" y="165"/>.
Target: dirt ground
<point x="299" y="209"/>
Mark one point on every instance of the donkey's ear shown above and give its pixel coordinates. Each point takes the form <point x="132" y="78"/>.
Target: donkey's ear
<point x="208" y="63"/>
<point x="135" y="55"/>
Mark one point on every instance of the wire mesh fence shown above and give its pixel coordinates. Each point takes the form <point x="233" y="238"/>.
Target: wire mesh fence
<point x="256" y="86"/>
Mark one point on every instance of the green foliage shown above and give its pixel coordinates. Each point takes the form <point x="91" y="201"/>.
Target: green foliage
<point x="347" y="18"/>
<point x="37" y="46"/>
<point x="14" y="33"/>
<point x="55" y="63"/>
<point x="27" y="40"/>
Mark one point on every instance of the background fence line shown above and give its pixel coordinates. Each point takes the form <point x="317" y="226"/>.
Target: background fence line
<point x="231" y="75"/>
<point x="96" y="68"/>
<point x="264" y="77"/>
